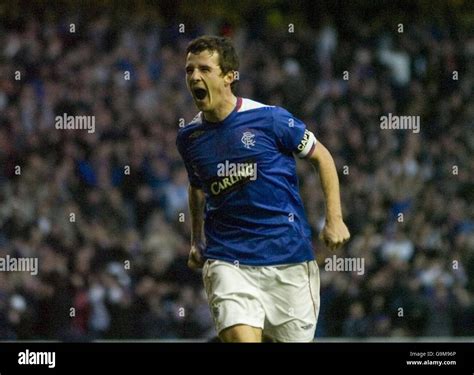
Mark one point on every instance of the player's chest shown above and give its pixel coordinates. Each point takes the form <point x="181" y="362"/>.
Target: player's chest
<point x="213" y="147"/>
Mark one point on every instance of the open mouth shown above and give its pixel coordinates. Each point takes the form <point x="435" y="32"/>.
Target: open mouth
<point x="200" y="93"/>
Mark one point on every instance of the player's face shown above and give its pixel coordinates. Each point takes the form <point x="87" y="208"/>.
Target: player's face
<point x="205" y="80"/>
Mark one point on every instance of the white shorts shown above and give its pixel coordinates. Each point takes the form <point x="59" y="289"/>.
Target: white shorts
<point x="283" y="300"/>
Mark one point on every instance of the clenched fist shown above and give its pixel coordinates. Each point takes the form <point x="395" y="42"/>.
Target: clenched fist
<point x="196" y="259"/>
<point x="335" y="234"/>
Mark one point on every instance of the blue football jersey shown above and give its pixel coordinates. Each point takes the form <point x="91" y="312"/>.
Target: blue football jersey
<point x="245" y="165"/>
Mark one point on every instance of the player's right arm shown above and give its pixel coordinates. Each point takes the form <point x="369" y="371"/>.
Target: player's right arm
<point x="197" y="201"/>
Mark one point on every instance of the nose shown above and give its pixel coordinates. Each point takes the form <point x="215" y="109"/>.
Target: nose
<point x="195" y="76"/>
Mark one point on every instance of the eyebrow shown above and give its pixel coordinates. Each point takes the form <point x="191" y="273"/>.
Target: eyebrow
<point x="200" y="66"/>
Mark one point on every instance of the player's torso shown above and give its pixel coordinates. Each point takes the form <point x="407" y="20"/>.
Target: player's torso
<point x="254" y="213"/>
<point x="232" y="154"/>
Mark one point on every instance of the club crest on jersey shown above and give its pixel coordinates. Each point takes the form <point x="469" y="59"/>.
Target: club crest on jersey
<point x="248" y="139"/>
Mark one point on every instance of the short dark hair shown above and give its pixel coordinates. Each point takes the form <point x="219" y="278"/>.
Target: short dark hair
<point x="228" y="59"/>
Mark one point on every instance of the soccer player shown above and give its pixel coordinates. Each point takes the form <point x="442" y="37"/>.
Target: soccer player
<point x="249" y="230"/>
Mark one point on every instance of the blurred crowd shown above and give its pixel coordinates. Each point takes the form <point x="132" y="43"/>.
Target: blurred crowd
<point x="106" y="212"/>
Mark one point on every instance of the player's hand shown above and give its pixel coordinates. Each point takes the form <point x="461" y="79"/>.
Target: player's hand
<point x="335" y="234"/>
<point x="196" y="259"/>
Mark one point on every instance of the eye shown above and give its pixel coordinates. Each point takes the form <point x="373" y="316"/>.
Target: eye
<point x="206" y="69"/>
<point x="189" y="70"/>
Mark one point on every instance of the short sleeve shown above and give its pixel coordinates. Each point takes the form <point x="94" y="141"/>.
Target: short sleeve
<point x="192" y="175"/>
<point x="291" y="133"/>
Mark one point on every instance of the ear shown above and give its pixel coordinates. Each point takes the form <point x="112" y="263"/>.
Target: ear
<point x="229" y="77"/>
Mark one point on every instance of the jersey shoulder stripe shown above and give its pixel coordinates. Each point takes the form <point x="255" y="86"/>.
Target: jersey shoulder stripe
<point x="248" y="104"/>
<point x="189" y="128"/>
<point x="197" y="120"/>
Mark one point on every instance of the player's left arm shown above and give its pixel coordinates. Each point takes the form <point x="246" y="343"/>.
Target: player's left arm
<point x="293" y="136"/>
<point x="335" y="232"/>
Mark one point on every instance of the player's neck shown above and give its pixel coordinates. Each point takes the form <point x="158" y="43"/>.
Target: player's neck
<point x="222" y="111"/>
